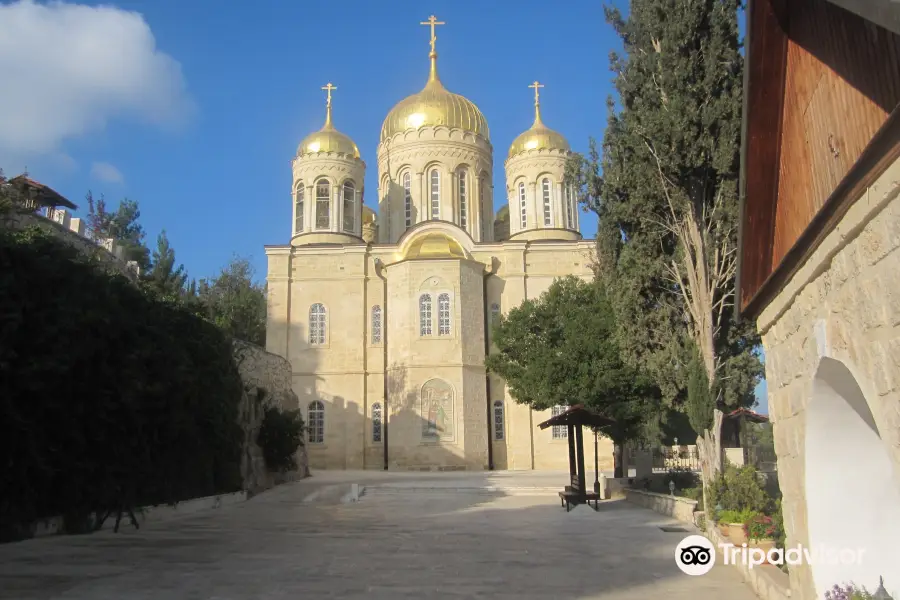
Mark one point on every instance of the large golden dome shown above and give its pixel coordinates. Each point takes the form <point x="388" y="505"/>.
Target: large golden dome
<point x="328" y="139"/>
<point x="539" y="136"/>
<point x="435" y="105"/>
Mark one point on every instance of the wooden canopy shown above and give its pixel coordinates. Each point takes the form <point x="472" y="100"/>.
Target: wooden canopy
<point x="578" y="415"/>
<point x="39" y="193"/>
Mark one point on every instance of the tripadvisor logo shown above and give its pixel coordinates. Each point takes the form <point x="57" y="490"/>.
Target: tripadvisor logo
<point x="818" y="555"/>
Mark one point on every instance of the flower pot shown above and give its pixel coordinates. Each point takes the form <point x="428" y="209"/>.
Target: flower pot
<point x="764" y="545"/>
<point x="736" y="533"/>
<point x="723" y="528"/>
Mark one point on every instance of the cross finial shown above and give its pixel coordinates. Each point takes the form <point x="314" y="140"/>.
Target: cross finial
<point x="328" y="87"/>
<point x="432" y="21"/>
<point x="537" y="94"/>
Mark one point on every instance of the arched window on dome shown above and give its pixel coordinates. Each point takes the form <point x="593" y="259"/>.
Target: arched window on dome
<point x="323" y="204"/>
<point x="484" y="219"/>
<point x="435" y="179"/>
<point x="545" y="191"/>
<point x="571" y="207"/>
<point x="407" y="198"/>
<point x="523" y="205"/>
<point x="425" y="314"/>
<point x="298" y="207"/>
<point x="463" y="198"/>
<point x="349" y="207"/>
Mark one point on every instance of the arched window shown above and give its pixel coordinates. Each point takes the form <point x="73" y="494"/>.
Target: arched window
<point x="323" y="204"/>
<point x="298" y="208"/>
<point x="435" y="178"/>
<point x="376" y="423"/>
<point x="316" y="422"/>
<point x="376" y="324"/>
<point x="495" y="314"/>
<point x="498" y="420"/>
<point x="545" y="189"/>
<point x="523" y="205"/>
<point x="444" y="314"/>
<point x="425" y="314"/>
<point x="349" y="206"/>
<point x="317" y="324"/>
<point x="463" y="199"/>
<point x="407" y="198"/>
<point x="560" y="432"/>
<point x="484" y="220"/>
<point x="573" y="207"/>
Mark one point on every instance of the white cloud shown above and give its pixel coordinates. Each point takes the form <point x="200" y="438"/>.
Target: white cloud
<point x="103" y="171"/>
<point x="69" y="68"/>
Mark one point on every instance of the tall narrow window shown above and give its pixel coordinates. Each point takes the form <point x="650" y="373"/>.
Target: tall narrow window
<point x="376" y="324"/>
<point x="323" y="204"/>
<point x="545" y="188"/>
<point x="435" y="194"/>
<point x="349" y="207"/>
<point x="316" y="419"/>
<point x="495" y="314"/>
<point x="425" y="314"/>
<point x="573" y="208"/>
<point x="444" y="314"/>
<point x="463" y="199"/>
<point x="376" y="423"/>
<point x="567" y="206"/>
<point x="560" y="432"/>
<point x="298" y="208"/>
<point x="317" y="322"/>
<point x="485" y="213"/>
<point x="498" y="420"/>
<point x="523" y="205"/>
<point x="407" y="198"/>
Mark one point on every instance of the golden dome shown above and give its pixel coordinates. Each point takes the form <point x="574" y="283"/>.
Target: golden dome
<point x="435" y="245"/>
<point x="539" y="136"/>
<point x="503" y="213"/>
<point x="368" y="215"/>
<point x="435" y="105"/>
<point x="328" y="139"/>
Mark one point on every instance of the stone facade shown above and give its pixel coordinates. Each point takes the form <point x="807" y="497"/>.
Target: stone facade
<point x="832" y="346"/>
<point x="267" y="382"/>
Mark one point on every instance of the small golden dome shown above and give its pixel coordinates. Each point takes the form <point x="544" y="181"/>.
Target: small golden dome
<point x="503" y="213"/>
<point x="434" y="105"/>
<point x="328" y="139"/>
<point x="435" y="245"/>
<point x="368" y="215"/>
<point x="539" y="136"/>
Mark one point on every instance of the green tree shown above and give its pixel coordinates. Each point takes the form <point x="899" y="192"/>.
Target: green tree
<point x="668" y="200"/>
<point x="234" y="303"/>
<point x="122" y="225"/>
<point x="163" y="278"/>
<point x="560" y="350"/>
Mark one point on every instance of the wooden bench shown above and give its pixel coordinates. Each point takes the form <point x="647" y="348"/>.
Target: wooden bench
<point x="570" y="498"/>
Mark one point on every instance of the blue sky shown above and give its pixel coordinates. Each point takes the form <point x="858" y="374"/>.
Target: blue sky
<point x="194" y="108"/>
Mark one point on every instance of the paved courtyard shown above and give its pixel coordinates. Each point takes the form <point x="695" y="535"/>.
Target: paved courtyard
<point x="446" y="535"/>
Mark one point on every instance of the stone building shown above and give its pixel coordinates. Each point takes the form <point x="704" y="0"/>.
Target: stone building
<point x="385" y="318"/>
<point x="820" y="257"/>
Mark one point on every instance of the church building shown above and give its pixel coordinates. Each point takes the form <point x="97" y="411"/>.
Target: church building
<point x="385" y="317"/>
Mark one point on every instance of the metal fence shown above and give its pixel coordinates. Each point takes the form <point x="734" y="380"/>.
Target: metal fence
<point x="677" y="457"/>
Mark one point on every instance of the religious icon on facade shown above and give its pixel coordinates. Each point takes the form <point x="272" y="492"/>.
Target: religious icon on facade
<point x="437" y="410"/>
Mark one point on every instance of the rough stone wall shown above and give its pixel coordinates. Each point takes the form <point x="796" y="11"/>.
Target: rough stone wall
<point x="843" y="304"/>
<point x="267" y="382"/>
<point x="85" y="246"/>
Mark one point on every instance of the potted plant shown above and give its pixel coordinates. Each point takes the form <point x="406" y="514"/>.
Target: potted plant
<point x="733" y="521"/>
<point x="760" y="531"/>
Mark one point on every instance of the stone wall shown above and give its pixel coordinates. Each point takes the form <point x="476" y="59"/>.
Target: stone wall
<point x="840" y="312"/>
<point x="671" y="506"/>
<point x="71" y="232"/>
<point x="267" y="382"/>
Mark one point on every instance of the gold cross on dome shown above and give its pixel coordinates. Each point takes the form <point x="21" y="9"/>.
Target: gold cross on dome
<point x="537" y="93"/>
<point x="432" y="21"/>
<point x="328" y="87"/>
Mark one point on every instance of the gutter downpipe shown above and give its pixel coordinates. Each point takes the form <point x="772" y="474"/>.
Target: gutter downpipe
<point x="487" y="351"/>
<point x="379" y="271"/>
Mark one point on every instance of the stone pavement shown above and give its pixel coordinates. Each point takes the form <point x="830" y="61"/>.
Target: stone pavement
<point x="437" y="535"/>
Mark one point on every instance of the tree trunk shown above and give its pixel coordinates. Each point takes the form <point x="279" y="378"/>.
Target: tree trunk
<point x="618" y="461"/>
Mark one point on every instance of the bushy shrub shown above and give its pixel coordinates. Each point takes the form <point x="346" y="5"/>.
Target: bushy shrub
<point x="279" y="437"/>
<point x="738" y="489"/>
<point x="740" y="517"/>
<point x="106" y="396"/>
